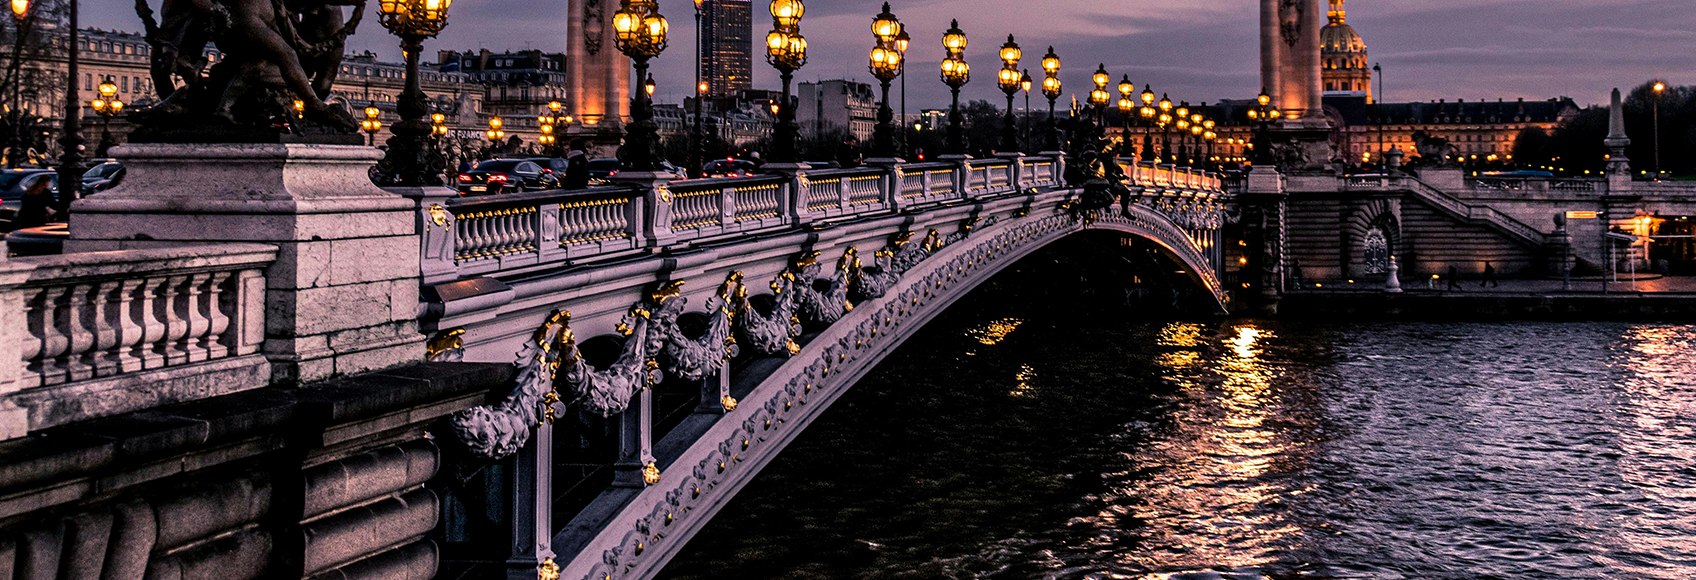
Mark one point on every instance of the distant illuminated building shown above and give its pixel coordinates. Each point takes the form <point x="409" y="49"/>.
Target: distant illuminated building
<point x="727" y="46"/>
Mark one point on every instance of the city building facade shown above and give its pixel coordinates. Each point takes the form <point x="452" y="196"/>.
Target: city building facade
<point x="837" y="106"/>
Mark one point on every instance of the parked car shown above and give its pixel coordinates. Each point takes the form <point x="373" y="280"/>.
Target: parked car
<point x="602" y="169"/>
<point x="13" y="184"/>
<point x="102" y="177"/>
<point x="505" y="175"/>
<point x="730" y="168"/>
<point x="555" y="166"/>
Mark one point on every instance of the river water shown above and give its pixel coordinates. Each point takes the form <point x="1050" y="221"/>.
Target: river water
<point x="1001" y="443"/>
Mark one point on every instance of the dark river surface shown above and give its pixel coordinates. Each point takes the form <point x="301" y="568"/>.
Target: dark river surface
<point x="1002" y="443"/>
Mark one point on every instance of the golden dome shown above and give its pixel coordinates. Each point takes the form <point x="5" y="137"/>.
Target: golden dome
<point x="1340" y="46"/>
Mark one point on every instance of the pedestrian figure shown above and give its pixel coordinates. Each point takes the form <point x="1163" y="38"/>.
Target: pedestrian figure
<point x="1454" y="277"/>
<point x="1489" y="277"/>
<point x="577" y="166"/>
<point x="36" y="207"/>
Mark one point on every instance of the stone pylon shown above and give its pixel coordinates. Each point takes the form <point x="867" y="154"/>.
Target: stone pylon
<point x="597" y="75"/>
<point x="1617" y="141"/>
<point x="1290" y="64"/>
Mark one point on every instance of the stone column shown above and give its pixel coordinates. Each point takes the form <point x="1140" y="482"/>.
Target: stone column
<point x="342" y="297"/>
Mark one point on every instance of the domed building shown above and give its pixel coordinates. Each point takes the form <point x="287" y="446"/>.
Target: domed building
<point x="1342" y="52"/>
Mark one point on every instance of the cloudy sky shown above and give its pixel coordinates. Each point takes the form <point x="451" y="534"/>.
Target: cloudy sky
<point x="1195" y="50"/>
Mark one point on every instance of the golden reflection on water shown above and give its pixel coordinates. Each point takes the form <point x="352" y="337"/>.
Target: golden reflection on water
<point x="995" y="331"/>
<point x="1201" y="487"/>
<point x="1660" y="401"/>
<point x="1022" y="381"/>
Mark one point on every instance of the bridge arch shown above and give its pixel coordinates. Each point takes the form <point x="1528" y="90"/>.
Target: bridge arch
<point x="709" y="462"/>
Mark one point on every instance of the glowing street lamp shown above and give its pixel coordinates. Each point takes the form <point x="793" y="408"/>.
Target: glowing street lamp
<point x="107" y="105"/>
<point x="1052" y="89"/>
<point x="641" y="33"/>
<point x="1009" y="80"/>
<point x="412" y="160"/>
<point x="786" y="51"/>
<point x="886" y="63"/>
<point x="956" y="73"/>
<point x="371" y="124"/>
<point x="1099" y="97"/>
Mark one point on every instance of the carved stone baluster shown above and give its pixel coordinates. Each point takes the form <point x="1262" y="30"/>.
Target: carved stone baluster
<point x="79" y="323"/>
<point x="465" y="231"/>
<point x="174" y="311"/>
<point x="151" y="314"/>
<point x="219" y="303"/>
<point x="44" y="343"/>
<point x="127" y="320"/>
<point x="194" y="304"/>
<point x="106" y="323"/>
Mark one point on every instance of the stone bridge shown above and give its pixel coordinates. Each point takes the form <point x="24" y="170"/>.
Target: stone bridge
<point x="251" y="361"/>
<point x="759" y="300"/>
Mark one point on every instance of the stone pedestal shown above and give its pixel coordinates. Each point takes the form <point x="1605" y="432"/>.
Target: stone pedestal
<point x="342" y="297"/>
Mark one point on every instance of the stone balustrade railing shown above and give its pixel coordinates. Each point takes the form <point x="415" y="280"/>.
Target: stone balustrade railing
<point x="100" y="333"/>
<point x="512" y="233"/>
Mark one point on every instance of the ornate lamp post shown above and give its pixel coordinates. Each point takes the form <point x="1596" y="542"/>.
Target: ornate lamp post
<point x="1263" y="115"/>
<point x="1099" y="98"/>
<point x="1026" y="83"/>
<point x="1163" y="120"/>
<point x="1009" y="79"/>
<point x="545" y="125"/>
<point x="411" y="161"/>
<point x="438" y="126"/>
<point x="1127" y="112"/>
<point x="701" y="89"/>
<point x="1052" y="89"/>
<point x="640" y="32"/>
<point x="902" y="41"/>
<point x="1147" y="112"/>
<point x="70" y="138"/>
<point x="371" y="125"/>
<point x="1659" y="88"/>
<point x="956" y="73"/>
<point x="496" y="135"/>
<point x="107" y="105"/>
<point x="786" y="51"/>
<point x="886" y="63"/>
<point x="1182" y="125"/>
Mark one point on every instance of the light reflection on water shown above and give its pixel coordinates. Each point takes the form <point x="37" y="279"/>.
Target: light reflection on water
<point x="1239" y="450"/>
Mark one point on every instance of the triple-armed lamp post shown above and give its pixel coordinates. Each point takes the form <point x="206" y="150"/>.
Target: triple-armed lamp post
<point x="1052" y="89"/>
<point x="1263" y="115"/>
<point x="640" y="32"/>
<point x="411" y="159"/>
<point x="1147" y="112"/>
<point x="1099" y="97"/>
<point x="1163" y="120"/>
<point x="1127" y="112"/>
<point x="956" y="73"/>
<point x="1009" y="81"/>
<point x="547" y="124"/>
<point x="107" y="105"/>
<point x="786" y="51"/>
<point x="371" y="124"/>
<point x="886" y="64"/>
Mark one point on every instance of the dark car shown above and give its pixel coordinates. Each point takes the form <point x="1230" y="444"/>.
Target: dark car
<point x="102" y="177"/>
<point x="13" y="184"/>
<point x="505" y="175"/>
<point x="555" y="166"/>
<point x="600" y="170"/>
<point x="730" y="168"/>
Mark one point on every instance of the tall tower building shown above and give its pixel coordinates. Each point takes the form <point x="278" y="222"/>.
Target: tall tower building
<point x="727" y="46"/>
<point x="1347" y="70"/>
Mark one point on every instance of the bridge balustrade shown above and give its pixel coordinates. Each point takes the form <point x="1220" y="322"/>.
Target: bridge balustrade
<point x="76" y="327"/>
<point x="477" y="236"/>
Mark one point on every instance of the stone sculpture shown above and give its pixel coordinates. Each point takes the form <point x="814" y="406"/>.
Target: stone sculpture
<point x="278" y="62"/>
